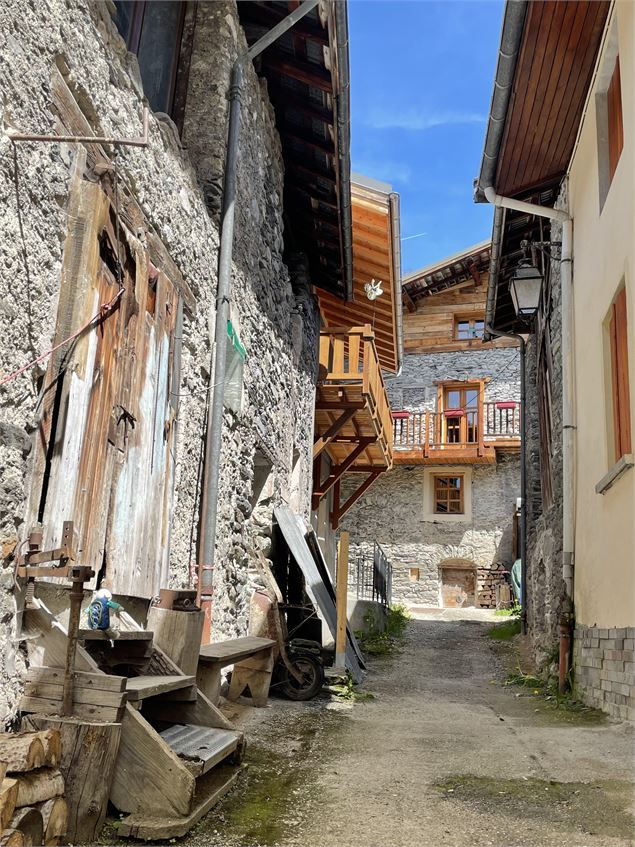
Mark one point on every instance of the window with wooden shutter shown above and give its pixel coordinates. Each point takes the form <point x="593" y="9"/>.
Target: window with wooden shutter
<point x="614" y="114"/>
<point x="620" y="390"/>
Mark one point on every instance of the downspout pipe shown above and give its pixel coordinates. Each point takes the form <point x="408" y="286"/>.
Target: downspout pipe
<point x="568" y="410"/>
<point x="211" y="470"/>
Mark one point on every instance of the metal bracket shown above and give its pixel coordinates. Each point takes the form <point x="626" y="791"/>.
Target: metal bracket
<point x="137" y="141"/>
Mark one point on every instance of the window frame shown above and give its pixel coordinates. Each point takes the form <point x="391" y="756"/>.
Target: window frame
<point x="615" y="120"/>
<point x="182" y="52"/>
<point x="620" y="395"/>
<point x="448" y="499"/>
<point x="470" y="321"/>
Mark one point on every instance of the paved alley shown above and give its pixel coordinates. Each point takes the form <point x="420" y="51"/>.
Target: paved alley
<point x="443" y="754"/>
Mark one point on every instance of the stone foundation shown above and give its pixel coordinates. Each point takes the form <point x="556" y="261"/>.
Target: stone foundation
<point x="604" y="668"/>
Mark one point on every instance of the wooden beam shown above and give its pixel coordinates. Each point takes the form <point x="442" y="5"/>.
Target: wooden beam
<point x="288" y="130"/>
<point x="408" y="301"/>
<point x="268" y="17"/>
<point x="312" y="75"/>
<point x="320" y="489"/>
<point x="322" y="441"/>
<point x="338" y="513"/>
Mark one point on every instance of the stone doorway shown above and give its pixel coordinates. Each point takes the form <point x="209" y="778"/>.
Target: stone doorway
<point x="458" y="585"/>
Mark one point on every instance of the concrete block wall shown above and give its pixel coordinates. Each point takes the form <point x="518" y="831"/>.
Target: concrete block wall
<point x="604" y="669"/>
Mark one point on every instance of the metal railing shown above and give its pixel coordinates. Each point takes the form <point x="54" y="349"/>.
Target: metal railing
<point x="370" y="577"/>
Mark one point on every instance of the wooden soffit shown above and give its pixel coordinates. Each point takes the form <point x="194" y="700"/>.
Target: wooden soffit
<point x="373" y="258"/>
<point x="557" y="56"/>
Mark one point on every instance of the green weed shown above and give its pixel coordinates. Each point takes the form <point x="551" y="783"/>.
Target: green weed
<point x="505" y="631"/>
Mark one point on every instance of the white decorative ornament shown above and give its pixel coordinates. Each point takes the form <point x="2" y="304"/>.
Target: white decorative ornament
<point x="373" y="289"/>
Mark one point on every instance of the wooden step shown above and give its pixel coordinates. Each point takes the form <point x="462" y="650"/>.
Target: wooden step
<point x="141" y="687"/>
<point x="210" y="789"/>
<point x="233" y="650"/>
<point x="201" y="746"/>
<point x="121" y="635"/>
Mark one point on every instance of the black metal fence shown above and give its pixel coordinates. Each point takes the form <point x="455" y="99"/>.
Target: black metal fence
<point x="370" y="575"/>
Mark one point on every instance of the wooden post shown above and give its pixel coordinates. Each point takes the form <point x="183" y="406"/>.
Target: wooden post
<point x="341" y="595"/>
<point x="89" y="752"/>
<point x="178" y="634"/>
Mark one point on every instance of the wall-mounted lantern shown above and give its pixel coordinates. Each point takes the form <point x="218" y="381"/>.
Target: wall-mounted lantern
<point x="525" y="286"/>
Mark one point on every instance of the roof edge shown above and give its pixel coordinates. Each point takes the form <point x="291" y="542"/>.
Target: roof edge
<point x="510" y="41"/>
<point x="447" y="260"/>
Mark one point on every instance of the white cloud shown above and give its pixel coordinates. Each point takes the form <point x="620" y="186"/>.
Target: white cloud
<point x="418" y="119"/>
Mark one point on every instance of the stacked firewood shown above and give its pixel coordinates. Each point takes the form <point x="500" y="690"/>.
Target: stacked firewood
<point x="33" y="810"/>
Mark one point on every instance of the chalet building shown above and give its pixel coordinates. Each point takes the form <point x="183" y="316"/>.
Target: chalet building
<point x="561" y="141"/>
<point x="109" y="263"/>
<point x="444" y="514"/>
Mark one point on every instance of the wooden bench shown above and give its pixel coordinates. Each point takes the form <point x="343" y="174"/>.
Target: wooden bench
<point x="252" y="659"/>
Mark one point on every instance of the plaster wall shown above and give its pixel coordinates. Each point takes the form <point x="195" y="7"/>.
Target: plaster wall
<point x="604" y="258"/>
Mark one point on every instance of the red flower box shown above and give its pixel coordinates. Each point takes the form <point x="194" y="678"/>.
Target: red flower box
<point x="454" y="413"/>
<point x="507" y="404"/>
<point x="398" y="416"/>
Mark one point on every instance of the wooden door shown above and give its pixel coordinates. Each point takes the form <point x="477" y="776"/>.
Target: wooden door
<point x="457" y="587"/>
<point x="104" y="456"/>
<point x="463" y="428"/>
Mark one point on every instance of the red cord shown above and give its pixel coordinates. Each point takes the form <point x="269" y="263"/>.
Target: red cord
<point x="103" y="312"/>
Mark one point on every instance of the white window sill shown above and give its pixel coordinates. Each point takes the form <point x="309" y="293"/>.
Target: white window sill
<point x="620" y="467"/>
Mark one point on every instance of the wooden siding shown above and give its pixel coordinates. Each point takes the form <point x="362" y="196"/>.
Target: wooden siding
<point x="431" y="328"/>
<point x="104" y="455"/>
<point x="560" y="43"/>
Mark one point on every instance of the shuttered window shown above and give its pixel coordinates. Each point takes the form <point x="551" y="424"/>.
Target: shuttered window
<point x="619" y="376"/>
<point x="615" y="125"/>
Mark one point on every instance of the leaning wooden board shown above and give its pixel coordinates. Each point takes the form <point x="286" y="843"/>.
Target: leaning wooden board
<point x="294" y="532"/>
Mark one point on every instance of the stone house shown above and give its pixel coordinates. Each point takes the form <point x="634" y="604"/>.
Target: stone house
<point x="573" y="177"/>
<point x="117" y="246"/>
<point x="445" y="513"/>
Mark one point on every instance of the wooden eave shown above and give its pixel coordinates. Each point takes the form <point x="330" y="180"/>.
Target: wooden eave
<point x="303" y="83"/>
<point x="373" y="258"/>
<point x="461" y="270"/>
<point x="556" y="60"/>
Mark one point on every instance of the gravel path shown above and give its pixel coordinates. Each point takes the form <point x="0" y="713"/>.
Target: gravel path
<point x="444" y="754"/>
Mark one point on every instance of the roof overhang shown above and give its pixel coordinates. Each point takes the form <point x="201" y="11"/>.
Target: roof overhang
<point x="546" y="64"/>
<point x="376" y="255"/>
<point x="307" y="73"/>
<point x="461" y="269"/>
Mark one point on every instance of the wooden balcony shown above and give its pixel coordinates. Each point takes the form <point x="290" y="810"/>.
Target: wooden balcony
<point x="443" y="438"/>
<point x="353" y="424"/>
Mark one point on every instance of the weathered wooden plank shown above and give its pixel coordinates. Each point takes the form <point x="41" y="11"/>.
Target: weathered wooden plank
<point x="81" y="679"/>
<point x="234" y="649"/>
<point x="87" y="696"/>
<point x="141" y="687"/>
<point x="149" y="778"/>
<point x="210" y="789"/>
<point x="178" y="634"/>
<point x="48" y="706"/>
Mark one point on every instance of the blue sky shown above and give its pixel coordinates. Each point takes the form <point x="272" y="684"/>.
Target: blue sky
<point x="421" y="83"/>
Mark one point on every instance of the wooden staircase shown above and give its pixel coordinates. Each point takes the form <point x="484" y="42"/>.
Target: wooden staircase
<point x="178" y="754"/>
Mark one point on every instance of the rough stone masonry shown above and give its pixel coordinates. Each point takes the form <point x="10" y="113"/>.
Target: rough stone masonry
<point x="177" y="184"/>
<point x="392" y="512"/>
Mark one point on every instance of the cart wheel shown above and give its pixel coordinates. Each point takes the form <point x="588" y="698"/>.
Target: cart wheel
<point x="313" y="678"/>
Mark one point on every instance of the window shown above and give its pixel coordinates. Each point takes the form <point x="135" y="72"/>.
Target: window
<point x="468" y="328"/>
<point x="614" y="116"/>
<point x="620" y="390"/>
<point x="448" y="495"/>
<point x="414" y="574"/>
<point x="462" y="427"/>
<point x="608" y="111"/>
<point x="153" y="30"/>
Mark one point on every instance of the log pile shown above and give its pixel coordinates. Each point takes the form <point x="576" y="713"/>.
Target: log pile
<point x="33" y="810"/>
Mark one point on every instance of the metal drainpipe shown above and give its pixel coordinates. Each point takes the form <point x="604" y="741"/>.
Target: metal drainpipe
<point x="523" y="472"/>
<point x="211" y="470"/>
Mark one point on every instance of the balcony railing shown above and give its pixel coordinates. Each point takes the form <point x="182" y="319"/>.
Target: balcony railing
<point x="348" y="359"/>
<point x="499" y="421"/>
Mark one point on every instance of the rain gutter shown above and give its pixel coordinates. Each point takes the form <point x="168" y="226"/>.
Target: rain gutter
<point x="343" y="111"/>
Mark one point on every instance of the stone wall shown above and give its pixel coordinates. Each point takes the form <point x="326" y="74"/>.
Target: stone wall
<point x="545" y="586"/>
<point x="415" y="388"/>
<point x="392" y="513"/>
<point x="604" y="667"/>
<point x="272" y="308"/>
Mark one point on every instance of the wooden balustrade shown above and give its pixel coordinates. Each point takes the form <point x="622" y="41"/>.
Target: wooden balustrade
<point x="348" y="356"/>
<point x="430" y="430"/>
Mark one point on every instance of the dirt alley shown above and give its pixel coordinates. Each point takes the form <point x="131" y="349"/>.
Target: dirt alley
<point x="444" y="754"/>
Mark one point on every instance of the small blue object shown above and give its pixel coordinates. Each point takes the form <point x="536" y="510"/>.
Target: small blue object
<point x="99" y="614"/>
